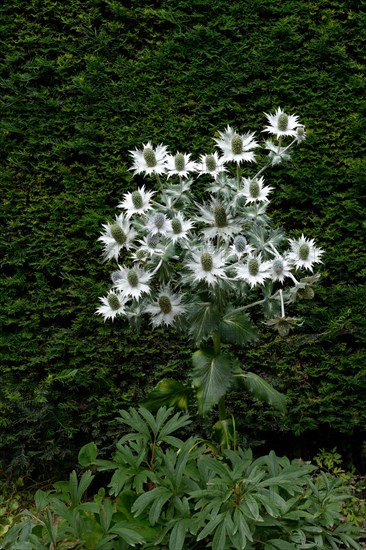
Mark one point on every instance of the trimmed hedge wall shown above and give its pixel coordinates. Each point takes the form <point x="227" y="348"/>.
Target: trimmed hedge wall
<point x="83" y="82"/>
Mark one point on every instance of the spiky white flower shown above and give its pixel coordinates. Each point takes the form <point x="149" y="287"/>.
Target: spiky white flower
<point x="300" y="133"/>
<point x="282" y="124"/>
<point x="280" y="269"/>
<point x="137" y="202"/>
<point x="276" y="153"/>
<point x="150" y="246"/>
<point x="116" y="236"/>
<point x="132" y="282"/>
<point x="159" y="223"/>
<point x="180" y="164"/>
<point x="254" y="190"/>
<point x="254" y="271"/>
<point x="304" y="253"/>
<point x="236" y="147"/>
<point x="240" y="247"/>
<point x="149" y="160"/>
<point x="207" y="266"/>
<point x="166" y="308"/>
<point x="220" y="221"/>
<point x="211" y="164"/>
<point x="180" y="228"/>
<point x="113" y="304"/>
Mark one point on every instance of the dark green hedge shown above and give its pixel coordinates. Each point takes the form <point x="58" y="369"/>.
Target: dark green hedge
<point x="82" y="82"/>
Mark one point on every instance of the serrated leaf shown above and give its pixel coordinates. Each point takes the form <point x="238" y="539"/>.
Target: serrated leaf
<point x="211" y="376"/>
<point x="171" y="393"/>
<point x="203" y="319"/>
<point x="237" y="328"/>
<point x="263" y="391"/>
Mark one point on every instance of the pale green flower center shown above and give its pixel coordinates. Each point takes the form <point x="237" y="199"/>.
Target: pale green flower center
<point x="113" y="301"/>
<point x="253" y="267"/>
<point x="150" y="157"/>
<point x="306" y="293"/>
<point x="133" y="278"/>
<point x="206" y="261"/>
<point x="282" y="122"/>
<point x="300" y="131"/>
<point x="277" y="266"/>
<point x="152" y="240"/>
<point x="240" y="243"/>
<point x="236" y="144"/>
<point x="304" y="251"/>
<point x="211" y="163"/>
<point x="254" y="189"/>
<point x="165" y="304"/>
<point x="140" y="254"/>
<point x="159" y="220"/>
<point x="220" y="216"/>
<point x="118" y="234"/>
<point x="137" y="200"/>
<point x="179" y="162"/>
<point x="177" y="226"/>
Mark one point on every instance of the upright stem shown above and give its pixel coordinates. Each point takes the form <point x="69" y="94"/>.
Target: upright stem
<point x="217" y="349"/>
<point x="238" y="177"/>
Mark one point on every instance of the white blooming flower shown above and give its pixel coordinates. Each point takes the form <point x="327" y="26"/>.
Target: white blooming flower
<point x="116" y="236"/>
<point x="207" y="266"/>
<point x="132" y="282"/>
<point x="276" y="153"/>
<point x="166" y="308"/>
<point x="254" y="271"/>
<point x="180" y="228"/>
<point x="149" y="160"/>
<point x="240" y="247"/>
<point x="280" y="269"/>
<point x="282" y="124"/>
<point x="211" y="164"/>
<point x="137" y="202"/>
<point x="303" y="253"/>
<point x="159" y="224"/>
<point x="254" y="190"/>
<point x="236" y="147"/>
<point x="113" y="304"/>
<point x="220" y="221"/>
<point x="300" y="133"/>
<point x="180" y="164"/>
<point x="150" y="246"/>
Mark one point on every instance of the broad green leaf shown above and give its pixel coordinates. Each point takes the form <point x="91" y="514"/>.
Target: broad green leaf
<point x="262" y="390"/>
<point x="178" y="534"/>
<point x="87" y="454"/>
<point x="41" y="499"/>
<point x="279" y="544"/>
<point x="128" y="535"/>
<point x="159" y="493"/>
<point x="212" y="377"/>
<point x="171" y="393"/>
<point x="203" y="319"/>
<point x="237" y="328"/>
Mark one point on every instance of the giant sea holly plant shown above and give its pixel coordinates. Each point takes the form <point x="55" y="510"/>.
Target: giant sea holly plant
<point x="204" y="267"/>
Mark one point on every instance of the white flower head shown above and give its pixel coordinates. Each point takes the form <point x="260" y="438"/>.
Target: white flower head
<point x="240" y="247"/>
<point x="137" y="202"/>
<point x="207" y="266"/>
<point x="166" y="308"/>
<point x="282" y="124"/>
<point x="211" y="164"/>
<point x="254" y="271"/>
<point x="132" y="282"/>
<point x="150" y="246"/>
<point x="303" y="253"/>
<point x="300" y="133"/>
<point x="276" y="153"/>
<point x="254" y="190"/>
<point x="116" y="236"/>
<point x="113" y="304"/>
<point x="236" y="147"/>
<point x="219" y="220"/>
<point x="159" y="223"/>
<point x="149" y="159"/>
<point x="180" y="164"/>
<point x="280" y="269"/>
<point x="180" y="228"/>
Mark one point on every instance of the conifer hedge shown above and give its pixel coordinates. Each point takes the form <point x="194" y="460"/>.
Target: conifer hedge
<point x="82" y="83"/>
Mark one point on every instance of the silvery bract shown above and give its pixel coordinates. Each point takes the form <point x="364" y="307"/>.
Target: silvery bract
<point x="194" y="264"/>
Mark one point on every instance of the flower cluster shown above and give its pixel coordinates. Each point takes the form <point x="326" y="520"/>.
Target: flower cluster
<point x="174" y="254"/>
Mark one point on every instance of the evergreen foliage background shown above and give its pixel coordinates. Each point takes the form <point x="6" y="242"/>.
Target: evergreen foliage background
<point x="83" y="82"/>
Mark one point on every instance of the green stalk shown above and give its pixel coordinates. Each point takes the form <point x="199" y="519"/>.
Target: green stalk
<point x="217" y="350"/>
